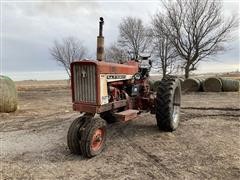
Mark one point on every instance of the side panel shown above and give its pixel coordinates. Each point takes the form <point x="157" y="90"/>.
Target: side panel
<point x="104" y="79"/>
<point x="103" y="90"/>
<point x="113" y="68"/>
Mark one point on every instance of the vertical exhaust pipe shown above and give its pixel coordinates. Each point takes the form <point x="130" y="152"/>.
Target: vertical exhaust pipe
<point x="100" y="41"/>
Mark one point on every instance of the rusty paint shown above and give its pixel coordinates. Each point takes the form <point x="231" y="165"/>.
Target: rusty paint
<point x="112" y="68"/>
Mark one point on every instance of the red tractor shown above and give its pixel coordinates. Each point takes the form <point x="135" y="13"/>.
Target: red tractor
<point x="116" y="92"/>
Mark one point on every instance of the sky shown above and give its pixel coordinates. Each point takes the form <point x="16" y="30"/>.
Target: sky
<point x="29" y="28"/>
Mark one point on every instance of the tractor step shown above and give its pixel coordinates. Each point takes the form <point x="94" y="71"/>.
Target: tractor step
<point x="126" y="115"/>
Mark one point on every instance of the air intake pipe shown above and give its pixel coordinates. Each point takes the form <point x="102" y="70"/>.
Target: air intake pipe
<point x="100" y="41"/>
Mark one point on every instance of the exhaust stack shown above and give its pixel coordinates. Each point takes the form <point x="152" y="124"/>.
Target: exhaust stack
<point x="100" y="41"/>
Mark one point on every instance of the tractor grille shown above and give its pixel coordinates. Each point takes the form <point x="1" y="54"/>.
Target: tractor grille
<point x="84" y="83"/>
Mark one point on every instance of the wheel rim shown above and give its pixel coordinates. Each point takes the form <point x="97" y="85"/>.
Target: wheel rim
<point x="176" y="105"/>
<point x="97" y="139"/>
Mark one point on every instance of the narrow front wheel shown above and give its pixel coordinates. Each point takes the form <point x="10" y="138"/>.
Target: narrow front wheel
<point x="74" y="136"/>
<point x="93" y="137"/>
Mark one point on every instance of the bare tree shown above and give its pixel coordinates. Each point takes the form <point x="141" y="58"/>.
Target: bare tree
<point x="165" y="53"/>
<point x="67" y="51"/>
<point x="134" y="36"/>
<point x="196" y="28"/>
<point x="116" y="54"/>
<point x="166" y="57"/>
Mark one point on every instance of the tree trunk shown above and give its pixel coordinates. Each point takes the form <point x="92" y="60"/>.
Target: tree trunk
<point x="164" y="72"/>
<point x="187" y="71"/>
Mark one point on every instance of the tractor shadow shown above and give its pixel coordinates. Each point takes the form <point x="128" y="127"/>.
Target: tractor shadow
<point x="134" y="128"/>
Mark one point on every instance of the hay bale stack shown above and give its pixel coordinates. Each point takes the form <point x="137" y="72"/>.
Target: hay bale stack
<point x="8" y="95"/>
<point x="192" y="84"/>
<point x="212" y="84"/>
<point x="229" y="85"/>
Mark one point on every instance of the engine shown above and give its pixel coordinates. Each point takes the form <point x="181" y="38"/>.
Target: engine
<point x="101" y="86"/>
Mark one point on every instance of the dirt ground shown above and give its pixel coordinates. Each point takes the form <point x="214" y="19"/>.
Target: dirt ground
<point x="205" y="146"/>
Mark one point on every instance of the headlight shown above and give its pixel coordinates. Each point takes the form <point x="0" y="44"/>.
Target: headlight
<point x="137" y="76"/>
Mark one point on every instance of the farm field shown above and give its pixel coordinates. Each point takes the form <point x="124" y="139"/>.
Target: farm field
<point x="206" y="144"/>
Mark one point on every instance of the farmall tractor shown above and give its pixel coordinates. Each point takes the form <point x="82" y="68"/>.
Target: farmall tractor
<point x="116" y="92"/>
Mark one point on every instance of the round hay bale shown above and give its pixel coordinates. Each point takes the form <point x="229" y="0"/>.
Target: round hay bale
<point x="181" y="81"/>
<point x="8" y="95"/>
<point x="155" y="85"/>
<point x="212" y="84"/>
<point x="151" y="85"/>
<point x="192" y="84"/>
<point x="229" y="85"/>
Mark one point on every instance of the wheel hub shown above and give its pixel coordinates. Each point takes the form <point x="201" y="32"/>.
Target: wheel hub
<point x="97" y="139"/>
<point x="176" y="105"/>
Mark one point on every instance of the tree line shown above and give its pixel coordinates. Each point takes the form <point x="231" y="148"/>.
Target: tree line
<point x="178" y="38"/>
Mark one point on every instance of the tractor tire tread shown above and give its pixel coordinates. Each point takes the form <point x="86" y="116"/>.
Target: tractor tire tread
<point x="163" y="103"/>
<point x="87" y="135"/>
<point x="73" y="135"/>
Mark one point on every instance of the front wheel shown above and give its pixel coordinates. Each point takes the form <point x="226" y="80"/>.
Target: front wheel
<point x="87" y="136"/>
<point x="93" y="137"/>
<point x="168" y="103"/>
<point x="74" y="136"/>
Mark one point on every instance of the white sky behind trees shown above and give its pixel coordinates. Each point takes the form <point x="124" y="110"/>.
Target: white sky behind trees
<point x="30" y="27"/>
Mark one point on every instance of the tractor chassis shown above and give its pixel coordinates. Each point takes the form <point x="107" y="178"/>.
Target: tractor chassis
<point x="87" y="134"/>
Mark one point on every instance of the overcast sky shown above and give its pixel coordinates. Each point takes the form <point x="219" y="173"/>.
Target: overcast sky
<point x="29" y="29"/>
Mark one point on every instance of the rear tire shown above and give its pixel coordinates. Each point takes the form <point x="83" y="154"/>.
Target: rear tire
<point x="168" y="103"/>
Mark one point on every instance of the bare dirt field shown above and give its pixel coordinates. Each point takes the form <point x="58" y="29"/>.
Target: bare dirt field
<point x="205" y="146"/>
